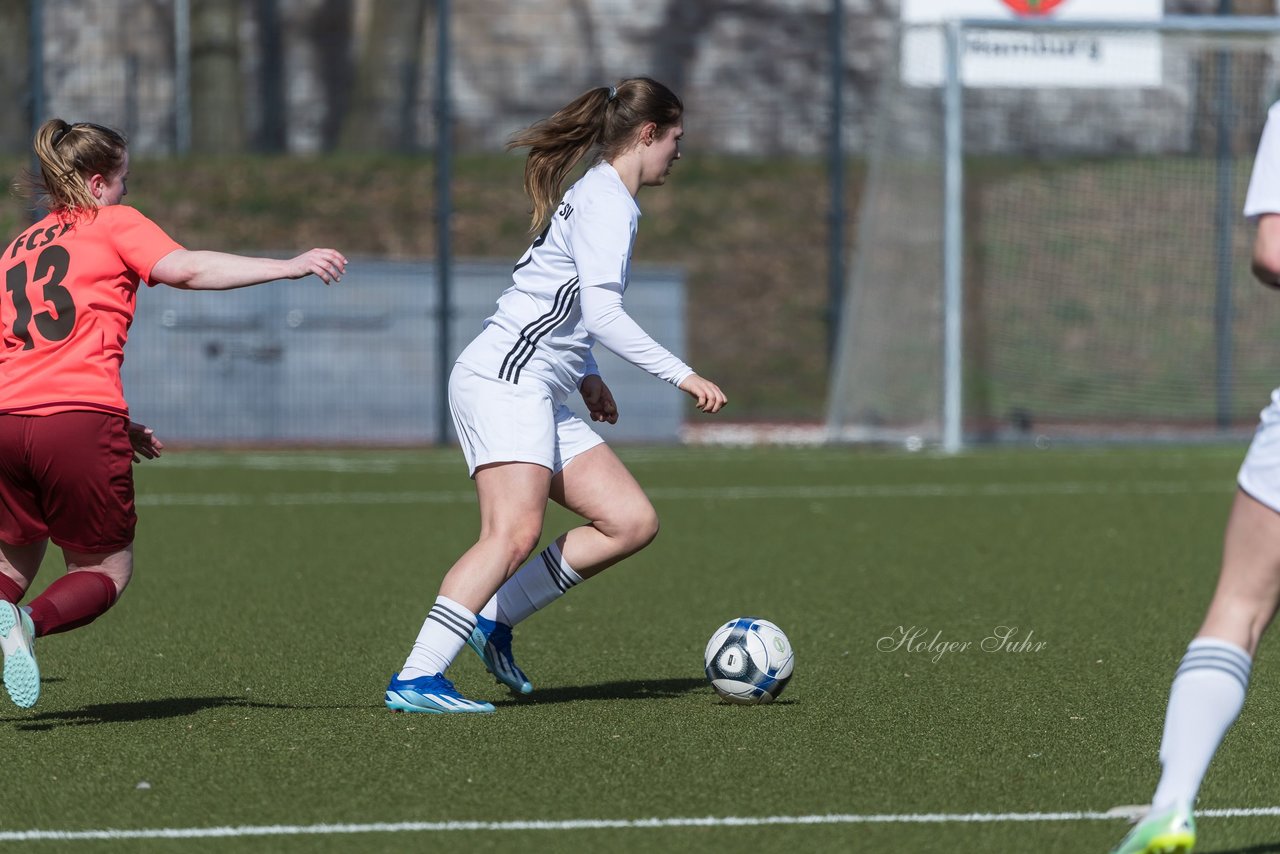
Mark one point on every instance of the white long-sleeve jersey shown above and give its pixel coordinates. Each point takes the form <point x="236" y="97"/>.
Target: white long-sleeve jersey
<point x="1263" y="196"/>
<point x="566" y="295"/>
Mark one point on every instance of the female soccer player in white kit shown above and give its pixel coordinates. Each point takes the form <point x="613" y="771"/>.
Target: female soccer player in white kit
<point x="508" y="389"/>
<point x="1209" y="687"/>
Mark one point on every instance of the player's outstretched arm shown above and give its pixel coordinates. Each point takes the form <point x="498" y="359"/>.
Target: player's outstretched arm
<point x="708" y="395"/>
<point x="202" y="270"/>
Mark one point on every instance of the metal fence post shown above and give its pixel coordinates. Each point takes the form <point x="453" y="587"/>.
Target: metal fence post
<point x="182" y="76"/>
<point x="953" y="247"/>
<point x="1222" y="309"/>
<point x="444" y="213"/>
<point x="35" y="72"/>
<point x="835" y="273"/>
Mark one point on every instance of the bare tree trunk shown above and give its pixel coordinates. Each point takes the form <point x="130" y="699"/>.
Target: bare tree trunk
<point x="16" y="130"/>
<point x="1265" y="8"/>
<point x="271" y="135"/>
<point x="389" y="52"/>
<point x="411" y="89"/>
<point x="683" y="27"/>
<point x="588" y="32"/>
<point x="217" y="110"/>
<point x="329" y="31"/>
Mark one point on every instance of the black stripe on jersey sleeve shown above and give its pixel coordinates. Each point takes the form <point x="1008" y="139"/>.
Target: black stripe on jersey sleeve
<point x="536" y="330"/>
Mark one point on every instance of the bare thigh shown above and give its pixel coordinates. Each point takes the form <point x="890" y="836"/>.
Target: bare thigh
<point x="599" y="488"/>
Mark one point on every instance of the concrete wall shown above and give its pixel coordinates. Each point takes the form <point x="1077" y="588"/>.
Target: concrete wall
<point x="296" y="362"/>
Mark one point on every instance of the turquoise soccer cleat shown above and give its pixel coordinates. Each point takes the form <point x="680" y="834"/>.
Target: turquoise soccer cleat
<point x="1170" y="831"/>
<point x="492" y="642"/>
<point x="17" y="642"/>
<point x="431" y="694"/>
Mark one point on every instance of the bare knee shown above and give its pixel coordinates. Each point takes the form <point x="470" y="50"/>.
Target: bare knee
<point x="519" y="543"/>
<point x="117" y="566"/>
<point x="120" y="576"/>
<point x="639" y="528"/>
<point x="648" y="527"/>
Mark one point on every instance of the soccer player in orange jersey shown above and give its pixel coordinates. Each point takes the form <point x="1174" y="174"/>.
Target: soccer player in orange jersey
<point x="66" y="442"/>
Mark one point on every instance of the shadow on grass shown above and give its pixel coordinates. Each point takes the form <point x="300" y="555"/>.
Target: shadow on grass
<point x="636" y="689"/>
<point x="178" y="707"/>
<point x="1264" y="848"/>
<point x="143" y="710"/>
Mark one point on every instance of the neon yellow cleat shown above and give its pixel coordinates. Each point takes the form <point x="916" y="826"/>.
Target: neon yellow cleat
<point x="1170" y="831"/>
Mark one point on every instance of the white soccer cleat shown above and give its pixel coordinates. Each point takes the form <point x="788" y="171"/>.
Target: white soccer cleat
<point x="17" y="642"/>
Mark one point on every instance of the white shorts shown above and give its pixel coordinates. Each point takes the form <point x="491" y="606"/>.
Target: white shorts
<point x="1260" y="472"/>
<point x="500" y="422"/>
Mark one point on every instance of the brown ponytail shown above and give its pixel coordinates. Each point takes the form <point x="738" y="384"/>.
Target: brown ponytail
<point x="607" y="116"/>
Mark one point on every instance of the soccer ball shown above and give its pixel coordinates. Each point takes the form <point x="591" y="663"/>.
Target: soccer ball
<point x="749" y="661"/>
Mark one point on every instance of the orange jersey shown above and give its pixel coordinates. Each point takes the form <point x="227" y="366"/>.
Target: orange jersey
<point x="69" y="292"/>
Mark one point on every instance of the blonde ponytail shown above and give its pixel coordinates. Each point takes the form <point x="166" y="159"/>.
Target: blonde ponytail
<point x="69" y="155"/>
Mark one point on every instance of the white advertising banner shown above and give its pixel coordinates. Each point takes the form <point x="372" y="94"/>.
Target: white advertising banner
<point x="1024" y="59"/>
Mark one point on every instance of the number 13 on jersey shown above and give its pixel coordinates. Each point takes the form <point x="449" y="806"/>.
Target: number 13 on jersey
<point x="53" y="310"/>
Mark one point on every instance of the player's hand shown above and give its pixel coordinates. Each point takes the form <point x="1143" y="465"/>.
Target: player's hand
<point x="708" y="395"/>
<point x="328" y="264"/>
<point x="599" y="400"/>
<point x="144" y="442"/>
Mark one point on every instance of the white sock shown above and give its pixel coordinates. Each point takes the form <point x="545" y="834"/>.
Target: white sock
<point x="1205" y="700"/>
<point x="544" y="578"/>
<point x="444" y="631"/>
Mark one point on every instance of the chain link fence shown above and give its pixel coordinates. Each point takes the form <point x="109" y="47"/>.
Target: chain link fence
<point x="378" y="127"/>
<point x="269" y="126"/>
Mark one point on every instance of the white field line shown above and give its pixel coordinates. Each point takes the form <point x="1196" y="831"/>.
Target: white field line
<point x="917" y="490"/>
<point x="586" y="824"/>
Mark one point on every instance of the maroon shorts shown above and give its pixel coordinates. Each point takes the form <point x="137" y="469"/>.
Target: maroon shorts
<point x="69" y="478"/>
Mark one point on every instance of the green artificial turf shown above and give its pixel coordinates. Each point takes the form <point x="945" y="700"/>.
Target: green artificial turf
<point x="239" y="681"/>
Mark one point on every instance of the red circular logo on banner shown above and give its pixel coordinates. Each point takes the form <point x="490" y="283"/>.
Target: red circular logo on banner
<point x="1032" y="7"/>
